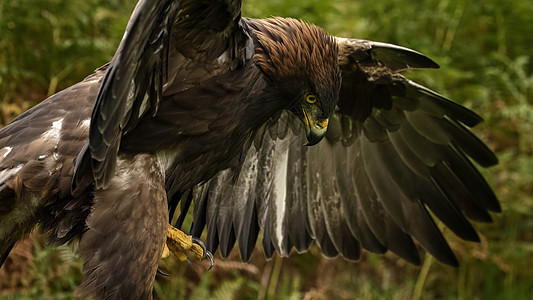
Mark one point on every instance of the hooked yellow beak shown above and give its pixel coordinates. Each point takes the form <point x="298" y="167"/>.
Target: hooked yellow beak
<point x="315" y="130"/>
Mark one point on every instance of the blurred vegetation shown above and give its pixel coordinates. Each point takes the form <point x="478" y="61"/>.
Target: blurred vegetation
<point x="484" y="49"/>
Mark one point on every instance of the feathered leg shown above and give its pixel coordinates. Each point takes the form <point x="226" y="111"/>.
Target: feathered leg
<point x="127" y="232"/>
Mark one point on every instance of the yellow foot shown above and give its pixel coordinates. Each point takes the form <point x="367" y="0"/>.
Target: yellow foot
<point x="184" y="246"/>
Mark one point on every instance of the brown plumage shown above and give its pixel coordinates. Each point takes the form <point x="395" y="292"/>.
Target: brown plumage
<point x="202" y="106"/>
<point x="285" y="46"/>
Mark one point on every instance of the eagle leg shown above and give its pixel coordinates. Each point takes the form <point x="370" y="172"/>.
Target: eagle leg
<point x="126" y="232"/>
<point x="183" y="245"/>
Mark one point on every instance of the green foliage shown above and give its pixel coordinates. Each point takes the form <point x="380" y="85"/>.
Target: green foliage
<point x="54" y="273"/>
<point x="51" y="44"/>
<point x="484" y="49"/>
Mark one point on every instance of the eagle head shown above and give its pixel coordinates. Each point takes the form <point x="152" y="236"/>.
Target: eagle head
<point x="300" y="60"/>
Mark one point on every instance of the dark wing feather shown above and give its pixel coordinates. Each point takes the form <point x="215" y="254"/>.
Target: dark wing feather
<point x="396" y="58"/>
<point x="394" y="151"/>
<point x="298" y="226"/>
<point x="410" y="138"/>
<point x="244" y="212"/>
<point x="132" y="86"/>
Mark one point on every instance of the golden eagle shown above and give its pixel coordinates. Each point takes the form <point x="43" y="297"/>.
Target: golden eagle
<point x="264" y="125"/>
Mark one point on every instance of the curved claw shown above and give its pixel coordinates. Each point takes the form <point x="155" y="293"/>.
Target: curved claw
<point x="211" y="258"/>
<point x="200" y="243"/>
<point x="160" y="272"/>
<point x="206" y="252"/>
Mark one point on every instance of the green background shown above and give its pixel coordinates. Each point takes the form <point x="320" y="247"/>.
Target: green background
<point x="484" y="50"/>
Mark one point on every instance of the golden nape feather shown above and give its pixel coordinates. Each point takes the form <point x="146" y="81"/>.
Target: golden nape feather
<point x="288" y="48"/>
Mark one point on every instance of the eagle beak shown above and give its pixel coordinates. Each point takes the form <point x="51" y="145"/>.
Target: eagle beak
<point x="315" y="130"/>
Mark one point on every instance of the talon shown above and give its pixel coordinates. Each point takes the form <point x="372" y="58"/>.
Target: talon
<point x="200" y="243"/>
<point x="211" y="258"/>
<point x="160" y="272"/>
<point x="206" y="252"/>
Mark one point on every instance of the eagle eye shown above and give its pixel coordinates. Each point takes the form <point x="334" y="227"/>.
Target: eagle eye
<point x="310" y="98"/>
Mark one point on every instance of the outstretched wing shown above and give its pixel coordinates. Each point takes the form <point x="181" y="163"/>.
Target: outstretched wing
<point x="139" y="73"/>
<point x="394" y="150"/>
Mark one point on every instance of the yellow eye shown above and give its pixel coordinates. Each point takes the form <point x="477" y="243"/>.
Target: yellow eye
<point x="310" y="98"/>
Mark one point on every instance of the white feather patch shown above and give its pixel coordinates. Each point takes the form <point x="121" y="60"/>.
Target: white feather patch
<point x="280" y="189"/>
<point x="166" y="158"/>
<point x="223" y="58"/>
<point x="6" y="174"/>
<point x="53" y="134"/>
<point x="4" y="152"/>
<point x="7" y="150"/>
<point x="85" y="124"/>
